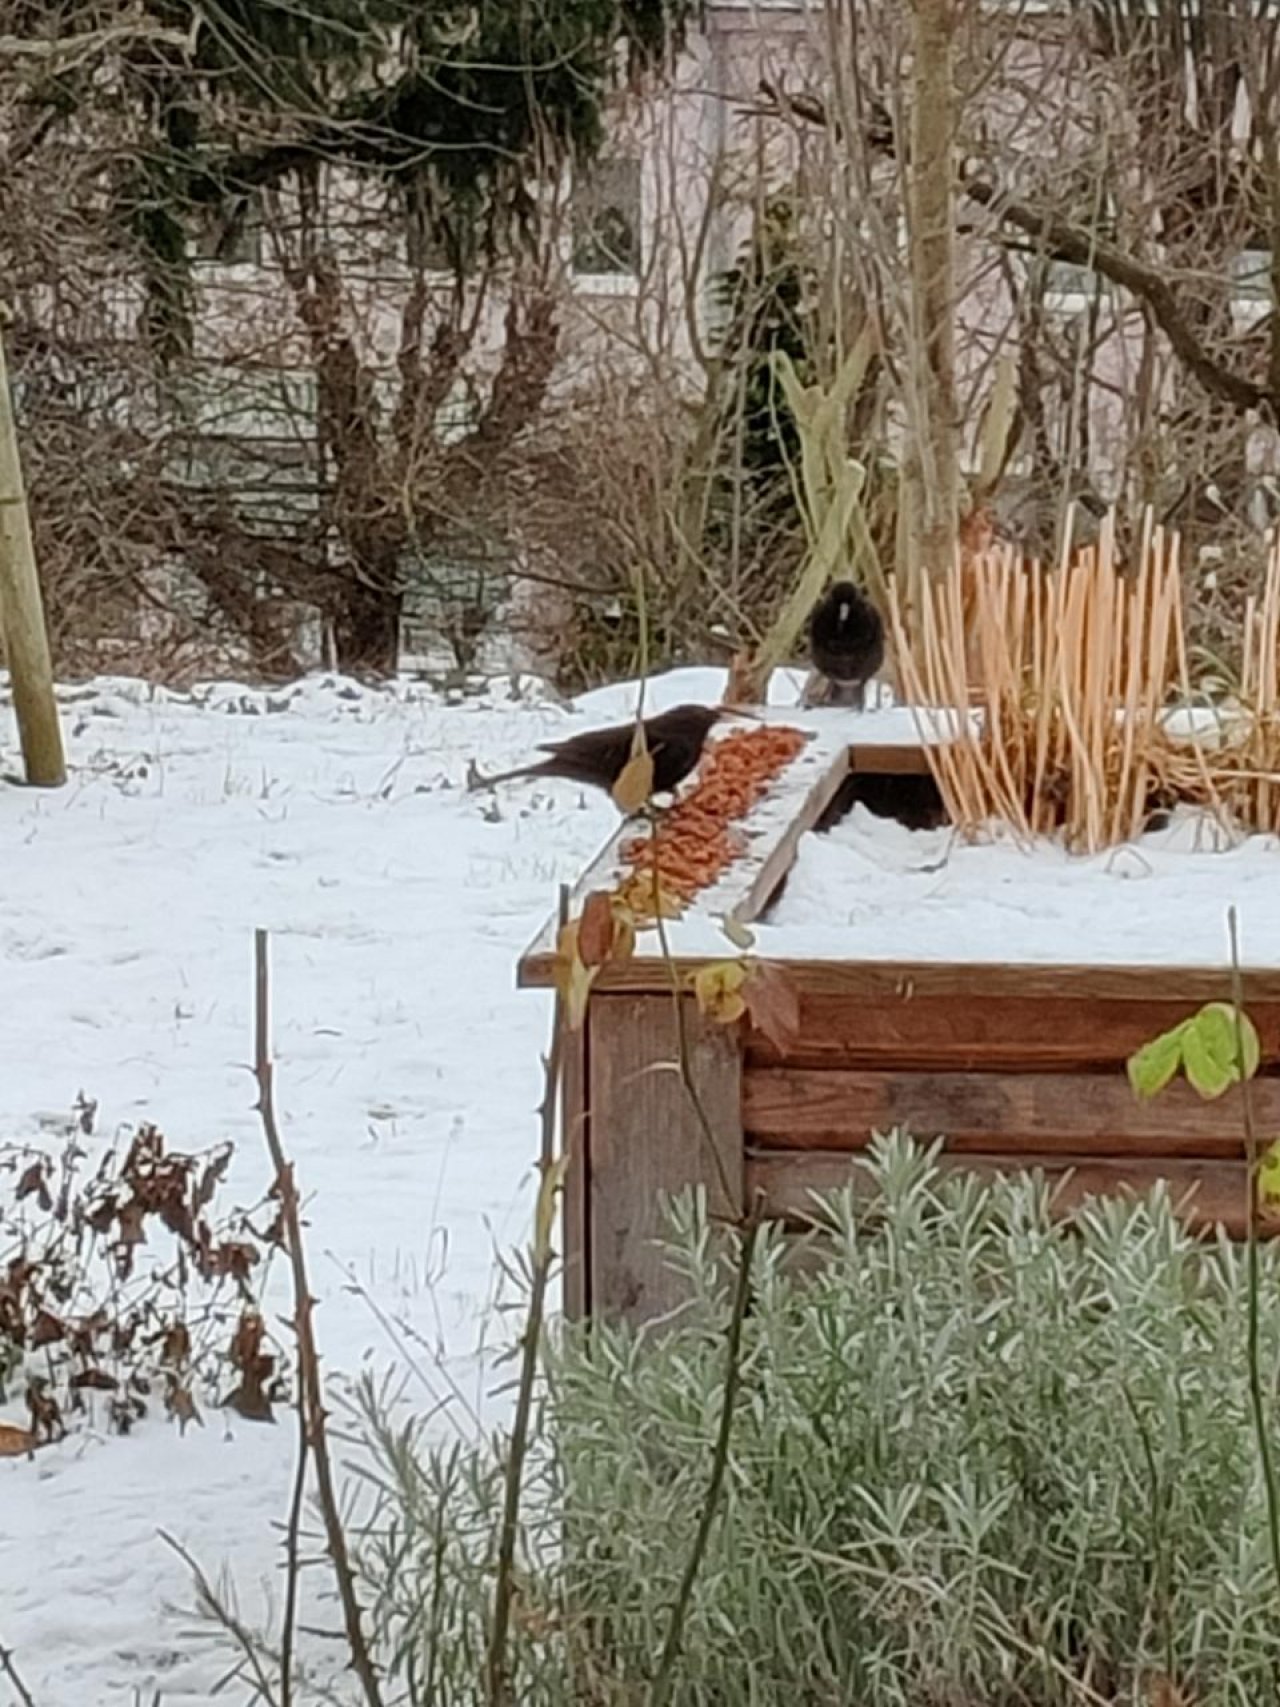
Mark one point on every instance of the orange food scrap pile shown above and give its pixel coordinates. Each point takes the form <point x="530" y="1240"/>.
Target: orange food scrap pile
<point x="692" y="843"/>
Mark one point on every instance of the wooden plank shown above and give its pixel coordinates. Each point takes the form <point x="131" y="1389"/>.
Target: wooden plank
<point x="982" y="1029"/>
<point x="646" y="1142"/>
<point x="1206" y="1193"/>
<point x="1093" y="1114"/>
<point x="890" y="761"/>
<point x="972" y="981"/>
<point x="575" y="1137"/>
<point x="781" y="856"/>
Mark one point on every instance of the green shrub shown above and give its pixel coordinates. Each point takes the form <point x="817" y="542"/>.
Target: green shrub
<point x="978" y="1460"/>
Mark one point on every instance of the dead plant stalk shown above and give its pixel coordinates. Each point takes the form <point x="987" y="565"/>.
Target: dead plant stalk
<point x="664" y="1678"/>
<point x="312" y="1417"/>
<point x="497" y="1669"/>
<point x="10" y="1670"/>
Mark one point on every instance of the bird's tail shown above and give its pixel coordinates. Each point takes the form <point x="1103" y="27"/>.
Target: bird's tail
<point x="477" y="780"/>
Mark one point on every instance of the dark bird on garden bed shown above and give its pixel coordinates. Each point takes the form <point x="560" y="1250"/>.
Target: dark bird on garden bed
<point x="846" y="642"/>
<point x="675" y="740"/>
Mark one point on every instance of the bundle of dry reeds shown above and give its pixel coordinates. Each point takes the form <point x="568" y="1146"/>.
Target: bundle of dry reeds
<point x="1074" y="673"/>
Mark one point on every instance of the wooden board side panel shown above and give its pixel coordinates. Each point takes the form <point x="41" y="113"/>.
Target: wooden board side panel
<point x="647" y="1142"/>
<point x="1006" y="1113"/>
<point x="902" y="981"/>
<point x="980" y="1028"/>
<point x="779" y="859"/>
<point x="1206" y="1193"/>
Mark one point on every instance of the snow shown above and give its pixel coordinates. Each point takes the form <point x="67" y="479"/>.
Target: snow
<point x="871" y="890"/>
<point x="408" y="1063"/>
<point x="408" y="1076"/>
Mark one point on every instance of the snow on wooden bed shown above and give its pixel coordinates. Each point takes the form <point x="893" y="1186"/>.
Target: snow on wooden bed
<point x="887" y="741"/>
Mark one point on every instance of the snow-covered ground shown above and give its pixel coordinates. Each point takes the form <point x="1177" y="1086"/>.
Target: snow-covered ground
<point x="408" y="1072"/>
<point x="408" y="1063"/>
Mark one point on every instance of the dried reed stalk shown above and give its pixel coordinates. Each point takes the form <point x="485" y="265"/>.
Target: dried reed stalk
<point x="1072" y="673"/>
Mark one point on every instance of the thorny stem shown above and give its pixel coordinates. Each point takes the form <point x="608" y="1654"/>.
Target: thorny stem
<point x="664" y="1677"/>
<point x="1253" y="1353"/>
<point x="497" y="1674"/>
<point x="10" y="1670"/>
<point x="311" y="1410"/>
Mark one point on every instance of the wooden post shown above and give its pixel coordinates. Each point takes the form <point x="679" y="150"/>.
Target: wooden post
<point x="22" y="625"/>
<point x="646" y="1142"/>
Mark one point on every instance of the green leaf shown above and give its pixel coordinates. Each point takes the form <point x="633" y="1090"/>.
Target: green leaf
<point x="1209" y="1050"/>
<point x="1151" y="1067"/>
<point x="1246" y="1044"/>
<point x="1268" y="1180"/>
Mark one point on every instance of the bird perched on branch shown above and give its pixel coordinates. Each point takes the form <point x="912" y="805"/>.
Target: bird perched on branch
<point x="674" y="740"/>
<point x="846" y="645"/>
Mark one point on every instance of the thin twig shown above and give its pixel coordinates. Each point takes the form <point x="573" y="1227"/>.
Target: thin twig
<point x="1253" y="1275"/>
<point x="292" y="1546"/>
<point x="550" y="1171"/>
<point x="665" y="1675"/>
<point x="218" y="1609"/>
<point x="310" y="1384"/>
<point x="10" y="1670"/>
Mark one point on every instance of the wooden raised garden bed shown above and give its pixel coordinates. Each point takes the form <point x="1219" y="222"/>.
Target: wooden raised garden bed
<point x="1018" y="1066"/>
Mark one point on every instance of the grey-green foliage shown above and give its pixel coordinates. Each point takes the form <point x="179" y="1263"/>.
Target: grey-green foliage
<point x="979" y="1461"/>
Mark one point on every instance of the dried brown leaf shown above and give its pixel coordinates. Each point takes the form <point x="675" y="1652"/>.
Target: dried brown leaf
<point x="15" y="1442"/>
<point x="33" y="1183"/>
<point x="44" y="1410"/>
<point x="183" y="1408"/>
<point x="176" y="1347"/>
<point x="773" y="1003"/>
<point x="596" y="929"/>
<point x="95" y="1380"/>
<point x="129" y="1224"/>
<point x="46" y="1329"/>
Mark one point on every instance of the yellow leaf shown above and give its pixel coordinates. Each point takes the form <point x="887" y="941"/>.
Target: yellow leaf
<point x="718" y="988"/>
<point x="1268" y="1181"/>
<point x="577" y="992"/>
<point x="624" y="930"/>
<point x="645" y="899"/>
<point x="544" y="1215"/>
<point x="573" y="979"/>
<point x="635" y="782"/>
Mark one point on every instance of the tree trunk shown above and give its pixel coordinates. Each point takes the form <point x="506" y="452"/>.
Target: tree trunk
<point x="935" y="506"/>
<point x="366" y="629"/>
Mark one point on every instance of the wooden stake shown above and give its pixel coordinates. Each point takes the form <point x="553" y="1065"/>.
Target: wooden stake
<point x="22" y="626"/>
